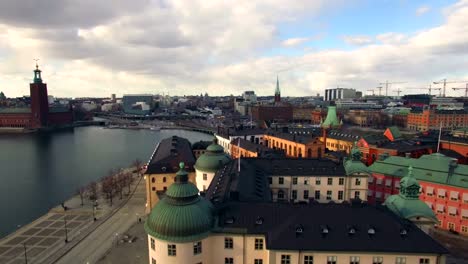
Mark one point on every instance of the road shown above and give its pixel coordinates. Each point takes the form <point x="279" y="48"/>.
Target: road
<point x="93" y="247"/>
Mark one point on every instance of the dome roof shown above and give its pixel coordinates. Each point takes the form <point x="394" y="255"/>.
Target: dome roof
<point x="181" y="215"/>
<point x="407" y="204"/>
<point x="213" y="159"/>
<point x="354" y="164"/>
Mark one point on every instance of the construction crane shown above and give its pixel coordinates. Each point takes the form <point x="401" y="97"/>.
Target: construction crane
<point x="371" y="90"/>
<point x="466" y="89"/>
<point x="380" y="90"/>
<point x="430" y="89"/>
<point x="398" y="91"/>
<point x="444" y="82"/>
<point x="386" y="86"/>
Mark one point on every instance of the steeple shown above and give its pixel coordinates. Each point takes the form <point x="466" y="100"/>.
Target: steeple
<point x="277" y="91"/>
<point x="37" y="74"/>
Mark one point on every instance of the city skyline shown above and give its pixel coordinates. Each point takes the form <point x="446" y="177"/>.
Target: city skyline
<point x="188" y="47"/>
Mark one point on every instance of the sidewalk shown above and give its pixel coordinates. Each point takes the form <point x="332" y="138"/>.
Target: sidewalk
<point x="46" y="236"/>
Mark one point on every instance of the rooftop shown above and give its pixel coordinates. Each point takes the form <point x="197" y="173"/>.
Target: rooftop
<point x="326" y="227"/>
<point x="169" y="153"/>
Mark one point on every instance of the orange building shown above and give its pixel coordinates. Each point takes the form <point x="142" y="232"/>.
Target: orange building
<point x="431" y="119"/>
<point x="296" y="146"/>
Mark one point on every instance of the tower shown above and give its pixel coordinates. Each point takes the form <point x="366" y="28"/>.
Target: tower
<point x="277" y="91"/>
<point x="39" y="100"/>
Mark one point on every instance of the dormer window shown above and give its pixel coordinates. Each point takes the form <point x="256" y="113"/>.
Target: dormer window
<point x="403" y="232"/>
<point x="371" y="231"/>
<point x="229" y="220"/>
<point x="299" y="229"/>
<point x="259" y="221"/>
<point x="352" y="231"/>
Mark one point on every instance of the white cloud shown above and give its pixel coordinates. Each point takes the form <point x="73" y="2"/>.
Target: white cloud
<point x="294" y="42"/>
<point x="185" y="47"/>
<point x="358" y="40"/>
<point x="422" y="10"/>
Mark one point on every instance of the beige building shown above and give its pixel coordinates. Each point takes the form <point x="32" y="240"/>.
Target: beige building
<point x="163" y="165"/>
<point x="248" y="228"/>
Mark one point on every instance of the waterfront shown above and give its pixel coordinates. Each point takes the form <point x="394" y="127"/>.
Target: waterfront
<point x="39" y="171"/>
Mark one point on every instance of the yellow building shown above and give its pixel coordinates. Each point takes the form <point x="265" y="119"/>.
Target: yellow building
<point x="163" y="165"/>
<point x="297" y="146"/>
<point x="339" y="141"/>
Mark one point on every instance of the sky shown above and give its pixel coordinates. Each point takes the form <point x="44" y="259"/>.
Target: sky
<point x="187" y="47"/>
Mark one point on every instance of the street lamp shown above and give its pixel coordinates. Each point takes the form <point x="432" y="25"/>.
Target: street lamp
<point x="25" y="256"/>
<point x="66" y="232"/>
<point x="94" y="209"/>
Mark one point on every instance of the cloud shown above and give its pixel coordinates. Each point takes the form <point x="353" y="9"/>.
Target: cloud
<point x="184" y="47"/>
<point x="294" y="42"/>
<point x="358" y="40"/>
<point x="422" y="10"/>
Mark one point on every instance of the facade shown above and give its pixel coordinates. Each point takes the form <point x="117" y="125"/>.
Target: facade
<point x="226" y="135"/>
<point x="296" y="146"/>
<point x="367" y="118"/>
<point x="340" y="93"/>
<point x="245" y="148"/>
<point x="444" y="186"/>
<point x="249" y="96"/>
<point x="279" y="112"/>
<point x="432" y="119"/>
<point x="137" y="104"/>
<point x="251" y="229"/>
<point x="40" y="114"/>
<point x="457" y="144"/>
<point x="339" y="141"/>
<point x="163" y="165"/>
<point x="208" y="163"/>
<point x="199" y="148"/>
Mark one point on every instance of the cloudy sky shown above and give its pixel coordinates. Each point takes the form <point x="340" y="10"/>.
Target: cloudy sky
<point x="95" y="48"/>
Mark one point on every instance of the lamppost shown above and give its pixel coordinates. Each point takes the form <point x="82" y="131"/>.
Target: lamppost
<point x="66" y="232"/>
<point x="94" y="210"/>
<point x="25" y="256"/>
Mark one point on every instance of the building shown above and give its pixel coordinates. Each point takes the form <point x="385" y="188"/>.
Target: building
<point x="456" y="142"/>
<point x="236" y="223"/>
<point x="199" y="148"/>
<point x="358" y="104"/>
<point x="249" y="96"/>
<point x="163" y="165"/>
<point x="444" y="186"/>
<point x="296" y="146"/>
<point x="279" y="112"/>
<point x="302" y="113"/>
<point x="137" y="104"/>
<point x="226" y="135"/>
<point x="431" y="118"/>
<point x="247" y="149"/>
<point x="367" y="118"/>
<point x="39" y="114"/>
<point x="341" y="93"/>
<point x="340" y="141"/>
<point x="208" y="164"/>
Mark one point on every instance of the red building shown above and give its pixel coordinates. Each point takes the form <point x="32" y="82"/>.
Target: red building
<point x="444" y="186"/>
<point x="431" y="119"/>
<point x="39" y="114"/>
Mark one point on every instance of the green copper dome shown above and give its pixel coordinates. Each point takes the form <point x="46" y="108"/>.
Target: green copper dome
<point x="181" y="215"/>
<point x="331" y="121"/>
<point x="213" y="159"/>
<point x="354" y="164"/>
<point x="406" y="204"/>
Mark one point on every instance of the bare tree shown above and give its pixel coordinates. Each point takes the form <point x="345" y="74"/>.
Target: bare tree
<point x="92" y="191"/>
<point x="120" y="182"/>
<point x="108" y="186"/>
<point x="129" y="180"/>
<point x="81" y="191"/>
<point x="138" y="165"/>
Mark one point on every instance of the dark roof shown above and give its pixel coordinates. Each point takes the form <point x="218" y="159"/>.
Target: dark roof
<point x="451" y="153"/>
<point x="343" y="136"/>
<point x="374" y="139"/>
<point x="226" y="132"/>
<point x="201" y="145"/>
<point x="292" y="137"/>
<point x="169" y="153"/>
<point x="407" y="145"/>
<point x="281" y="224"/>
<point x="454" y="139"/>
<point x="297" y="167"/>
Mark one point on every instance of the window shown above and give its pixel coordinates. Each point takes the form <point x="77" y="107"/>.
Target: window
<point x="258" y="261"/>
<point x="153" y="246"/>
<point x="451" y="226"/>
<point x="341" y="181"/>
<point x="340" y="195"/>
<point x="329" y="195"/>
<point x="358" y="181"/>
<point x="197" y="248"/>
<point x="308" y="260"/>
<point x="423" y="261"/>
<point x="317" y="195"/>
<point x="400" y="260"/>
<point x="228" y="243"/>
<point x="353" y="260"/>
<point x="280" y="194"/>
<point x="258" y="243"/>
<point x="294" y="180"/>
<point x="152" y="179"/>
<point x="357" y="194"/>
<point x="330" y="181"/>
<point x="164" y="179"/>
<point x="228" y="260"/>
<point x="332" y="259"/>
<point x="464" y="229"/>
<point x="317" y="181"/>
<point x="294" y="194"/>
<point x="377" y="260"/>
<point x="205" y="177"/>
<point x="285" y="259"/>
<point x="153" y="261"/>
<point x="306" y="194"/>
<point x="171" y="250"/>
<point x="306" y="181"/>
<point x="280" y="180"/>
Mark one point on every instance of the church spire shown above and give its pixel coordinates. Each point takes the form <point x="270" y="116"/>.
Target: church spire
<point x="37" y="74"/>
<point x="277" y="91"/>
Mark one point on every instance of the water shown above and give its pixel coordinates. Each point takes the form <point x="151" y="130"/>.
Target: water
<point x="39" y="171"/>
